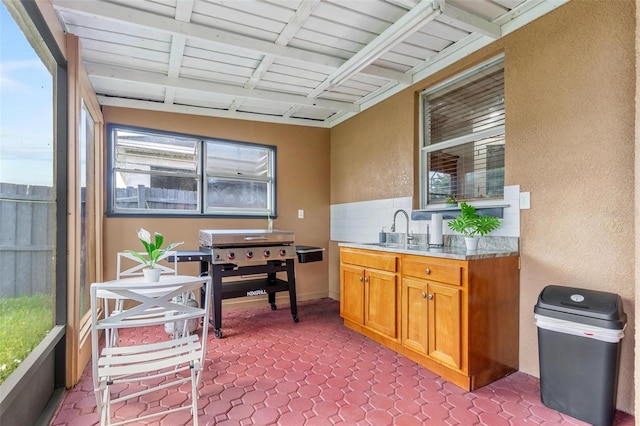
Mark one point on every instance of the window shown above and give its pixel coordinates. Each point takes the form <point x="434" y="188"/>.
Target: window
<point x="164" y="173"/>
<point x="463" y="137"/>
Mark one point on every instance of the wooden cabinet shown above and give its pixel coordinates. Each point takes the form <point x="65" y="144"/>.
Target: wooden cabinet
<point x="431" y="320"/>
<point x="459" y="318"/>
<point x="352" y="293"/>
<point x="431" y="314"/>
<point x="369" y="291"/>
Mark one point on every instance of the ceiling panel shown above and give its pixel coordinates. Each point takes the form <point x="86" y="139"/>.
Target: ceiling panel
<point x="304" y="62"/>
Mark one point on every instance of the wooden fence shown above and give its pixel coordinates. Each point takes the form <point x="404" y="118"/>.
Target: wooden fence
<point x="26" y="240"/>
<point x="142" y="197"/>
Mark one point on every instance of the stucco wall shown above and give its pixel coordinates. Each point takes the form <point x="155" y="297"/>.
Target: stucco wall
<point x="569" y="87"/>
<point x="302" y="183"/>
<point x="569" y="96"/>
<point x="637" y="188"/>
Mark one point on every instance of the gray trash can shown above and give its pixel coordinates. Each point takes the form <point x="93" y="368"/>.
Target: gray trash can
<point x="579" y="333"/>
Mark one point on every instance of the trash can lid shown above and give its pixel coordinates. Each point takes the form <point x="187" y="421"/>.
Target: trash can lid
<point x="597" y="308"/>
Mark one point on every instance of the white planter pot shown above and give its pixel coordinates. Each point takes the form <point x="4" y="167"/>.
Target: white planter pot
<point x="151" y="275"/>
<point x="471" y="243"/>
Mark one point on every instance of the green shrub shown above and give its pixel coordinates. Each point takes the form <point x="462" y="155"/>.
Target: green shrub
<point x="24" y="321"/>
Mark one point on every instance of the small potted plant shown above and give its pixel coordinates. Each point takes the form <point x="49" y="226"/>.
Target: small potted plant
<point x="471" y="225"/>
<point x="154" y="253"/>
<point x="451" y="201"/>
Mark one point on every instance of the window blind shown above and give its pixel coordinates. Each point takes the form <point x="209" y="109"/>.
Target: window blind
<point x="463" y="140"/>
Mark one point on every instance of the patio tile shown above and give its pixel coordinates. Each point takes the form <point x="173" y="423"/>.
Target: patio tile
<point x="268" y="370"/>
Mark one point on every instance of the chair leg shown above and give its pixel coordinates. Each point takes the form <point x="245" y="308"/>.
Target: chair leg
<point x="104" y="407"/>
<point x="194" y="396"/>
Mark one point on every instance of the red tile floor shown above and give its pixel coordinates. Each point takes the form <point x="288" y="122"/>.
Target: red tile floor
<point x="268" y="370"/>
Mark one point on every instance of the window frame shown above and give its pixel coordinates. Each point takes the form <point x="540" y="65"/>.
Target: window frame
<point x="468" y="138"/>
<point x="201" y="175"/>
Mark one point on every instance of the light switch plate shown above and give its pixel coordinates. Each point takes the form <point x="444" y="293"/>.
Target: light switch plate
<point x="300" y="214"/>
<point x="525" y="200"/>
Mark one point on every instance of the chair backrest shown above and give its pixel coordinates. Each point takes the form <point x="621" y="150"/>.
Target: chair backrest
<point x="130" y="266"/>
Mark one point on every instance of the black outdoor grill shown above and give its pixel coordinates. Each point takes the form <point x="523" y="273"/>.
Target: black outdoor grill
<point x="244" y="253"/>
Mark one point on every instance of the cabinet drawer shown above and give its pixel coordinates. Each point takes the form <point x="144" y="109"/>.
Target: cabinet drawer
<point x="369" y="259"/>
<point x="425" y="268"/>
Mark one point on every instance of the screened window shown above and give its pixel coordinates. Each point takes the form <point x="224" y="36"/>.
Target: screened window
<point x="164" y="173"/>
<point x="28" y="189"/>
<point x="462" y="150"/>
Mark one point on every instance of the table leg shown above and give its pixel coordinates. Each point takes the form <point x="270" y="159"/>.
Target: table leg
<point x="291" y="279"/>
<point x="216" y="308"/>
<point x="272" y="296"/>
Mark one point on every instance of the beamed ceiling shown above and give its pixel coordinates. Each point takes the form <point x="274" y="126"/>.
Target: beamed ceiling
<point x="304" y="62"/>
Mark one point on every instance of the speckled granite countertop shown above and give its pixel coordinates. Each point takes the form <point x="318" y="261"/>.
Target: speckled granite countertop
<point x="447" y="252"/>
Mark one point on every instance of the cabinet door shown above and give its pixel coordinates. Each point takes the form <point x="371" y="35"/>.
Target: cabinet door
<point x="381" y="297"/>
<point x="445" y="324"/>
<point x="414" y="315"/>
<point x="352" y="293"/>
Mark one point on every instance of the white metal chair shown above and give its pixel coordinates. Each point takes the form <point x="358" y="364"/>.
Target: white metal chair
<point x="129" y="265"/>
<point x="161" y="365"/>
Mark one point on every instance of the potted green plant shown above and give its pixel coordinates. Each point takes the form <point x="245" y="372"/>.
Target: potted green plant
<point x="154" y="253"/>
<point x="472" y="225"/>
<point x="451" y="201"/>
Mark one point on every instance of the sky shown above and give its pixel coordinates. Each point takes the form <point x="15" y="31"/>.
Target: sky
<point x="26" y="109"/>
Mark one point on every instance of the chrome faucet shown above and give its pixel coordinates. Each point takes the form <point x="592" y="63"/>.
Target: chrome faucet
<point x="393" y="227"/>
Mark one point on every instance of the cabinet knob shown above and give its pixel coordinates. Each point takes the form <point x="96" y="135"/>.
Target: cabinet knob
<point x="427" y="271"/>
<point x="366" y="279"/>
<point x="423" y="295"/>
<point x="361" y="279"/>
<point x="431" y="297"/>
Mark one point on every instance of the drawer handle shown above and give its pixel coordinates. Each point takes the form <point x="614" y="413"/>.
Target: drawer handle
<point x="423" y="295"/>
<point x="428" y="271"/>
<point x="431" y="297"/>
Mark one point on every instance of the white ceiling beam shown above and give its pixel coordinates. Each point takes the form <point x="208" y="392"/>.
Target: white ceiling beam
<point x="409" y="23"/>
<point x="145" y="77"/>
<point x="175" y="55"/>
<point x="292" y="111"/>
<point x="259" y="72"/>
<point x="209" y="112"/>
<point x="526" y="13"/>
<point x="407" y="4"/>
<point x="297" y="20"/>
<point x="116" y="12"/>
<point x="237" y="103"/>
<point x="451" y="55"/>
<point x="169" y="95"/>
<point x="184" y="9"/>
<point x="288" y="32"/>
<point x="464" y="20"/>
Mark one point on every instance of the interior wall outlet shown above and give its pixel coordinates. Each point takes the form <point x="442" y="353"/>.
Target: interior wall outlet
<point x="525" y="200"/>
<point x="300" y="214"/>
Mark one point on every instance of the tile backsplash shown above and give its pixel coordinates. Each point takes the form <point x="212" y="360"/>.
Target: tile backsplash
<point x="362" y="221"/>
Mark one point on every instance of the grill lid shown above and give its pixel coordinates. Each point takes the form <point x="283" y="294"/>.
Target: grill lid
<point x="244" y="237"/>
